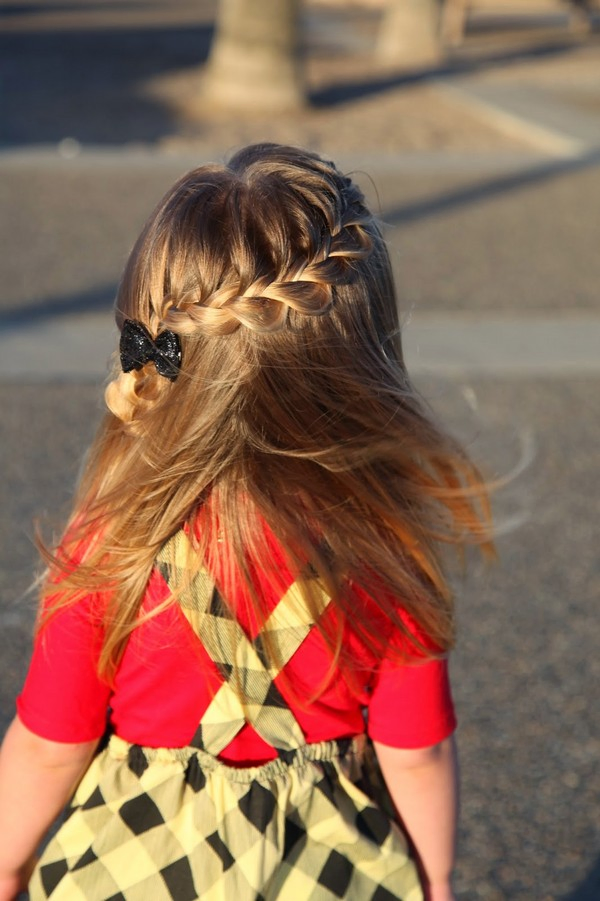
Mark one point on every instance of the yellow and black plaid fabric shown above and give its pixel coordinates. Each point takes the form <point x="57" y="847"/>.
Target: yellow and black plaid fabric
<point x="177" y="824"/>
<point x="248" y="693"/>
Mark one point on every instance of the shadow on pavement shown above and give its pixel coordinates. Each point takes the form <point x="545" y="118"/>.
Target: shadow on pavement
<point x="96" y="300"/>
<point x="475" y="193"/>
<point x="89" y="83"/>
<point x="31" y="9"/>
<point x="589" y="890"/>
<point x="522" y="20"/>
<point x="346" y="91"/>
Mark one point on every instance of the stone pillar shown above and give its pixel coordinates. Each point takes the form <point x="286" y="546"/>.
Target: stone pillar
<point x="254" y="61"/>
<point x="410" y="34"/>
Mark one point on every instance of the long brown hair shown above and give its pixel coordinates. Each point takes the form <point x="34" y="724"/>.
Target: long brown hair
<point x="293" y="408"/>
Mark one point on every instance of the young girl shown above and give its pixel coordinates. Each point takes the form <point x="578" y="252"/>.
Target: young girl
<point x="250" y="583"/>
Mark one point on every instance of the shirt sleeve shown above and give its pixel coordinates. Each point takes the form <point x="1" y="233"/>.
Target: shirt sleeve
<point x="63" y="698"/>
<point x="411" y="704"/>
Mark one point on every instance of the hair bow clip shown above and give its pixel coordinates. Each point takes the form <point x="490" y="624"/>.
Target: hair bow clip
<point x="137" y="347"/>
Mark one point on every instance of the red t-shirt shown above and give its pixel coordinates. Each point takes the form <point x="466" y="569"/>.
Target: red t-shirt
<point x="166" y="680"/>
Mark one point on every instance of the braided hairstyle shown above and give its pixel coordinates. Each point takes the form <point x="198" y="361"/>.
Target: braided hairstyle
<point x="259" y="244"/>
<point x="292" y="410"/>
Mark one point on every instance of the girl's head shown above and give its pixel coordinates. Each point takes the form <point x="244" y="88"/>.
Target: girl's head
<point x="275" y="254"/>
<point x="292" y="406"/>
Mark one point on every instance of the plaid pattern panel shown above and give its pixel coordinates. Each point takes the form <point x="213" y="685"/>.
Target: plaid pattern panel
<point x="248" y="693"/>
<point x="177" y="825"/>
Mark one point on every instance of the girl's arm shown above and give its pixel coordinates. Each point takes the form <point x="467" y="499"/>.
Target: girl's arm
<point x="37" y="778"/>
<point x="423" y="784"/>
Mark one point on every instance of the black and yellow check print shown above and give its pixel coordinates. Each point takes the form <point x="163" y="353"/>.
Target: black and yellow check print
<point x="176" y="824"/>
<point x="248" y="693"/>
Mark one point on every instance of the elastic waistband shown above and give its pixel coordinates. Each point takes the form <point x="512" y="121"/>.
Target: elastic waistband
<point x="119" y="749"/>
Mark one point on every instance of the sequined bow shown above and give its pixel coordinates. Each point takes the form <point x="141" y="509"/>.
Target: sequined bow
<point x="137" y="347"/>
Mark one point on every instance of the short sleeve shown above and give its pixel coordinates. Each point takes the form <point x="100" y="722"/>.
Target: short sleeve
<point x="410" y="701"/>
<point x="411" y="704"/>
<point x="63" y="698"/>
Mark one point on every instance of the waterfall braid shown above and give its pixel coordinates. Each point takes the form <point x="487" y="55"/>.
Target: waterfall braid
<point x="292" y="414"/>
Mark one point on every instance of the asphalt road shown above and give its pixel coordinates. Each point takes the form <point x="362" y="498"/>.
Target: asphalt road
<point x="489" y="237"/>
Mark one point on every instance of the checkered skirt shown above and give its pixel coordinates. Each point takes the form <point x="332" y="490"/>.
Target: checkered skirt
<point x="162" y="824"/>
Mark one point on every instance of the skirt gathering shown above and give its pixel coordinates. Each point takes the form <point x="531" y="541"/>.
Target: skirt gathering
<point x="178" y="824"/>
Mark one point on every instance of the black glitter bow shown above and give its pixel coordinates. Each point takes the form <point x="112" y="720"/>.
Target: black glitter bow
<point x="137" y="348"/>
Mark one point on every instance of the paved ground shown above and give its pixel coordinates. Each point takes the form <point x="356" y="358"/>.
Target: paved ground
<point x="486" y="173"/>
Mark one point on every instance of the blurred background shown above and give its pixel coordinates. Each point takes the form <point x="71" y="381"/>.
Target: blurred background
<point x="474" y="128"/>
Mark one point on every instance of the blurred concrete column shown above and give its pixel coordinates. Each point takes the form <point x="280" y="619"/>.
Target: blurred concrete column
<point x="255" y="60"/>
<point x="410" y="33"/>
<point x="454" y="20"/>
<point x="581" y="16"/>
